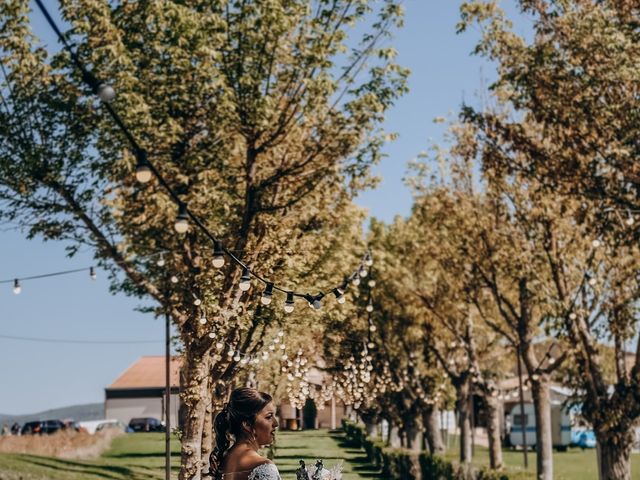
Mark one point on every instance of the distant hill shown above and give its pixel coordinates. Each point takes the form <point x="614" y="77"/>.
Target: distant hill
<point x="88" y="411"/>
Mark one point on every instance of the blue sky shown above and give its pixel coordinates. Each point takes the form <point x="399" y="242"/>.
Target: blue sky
<point x="36" y="376"/>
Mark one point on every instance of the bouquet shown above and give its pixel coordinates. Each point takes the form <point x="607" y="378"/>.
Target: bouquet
<point x="318" y="472"/>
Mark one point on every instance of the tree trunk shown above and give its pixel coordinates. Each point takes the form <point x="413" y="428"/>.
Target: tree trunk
<point x="394" y="436"/>
<point x="544" y="447"/>
<point x="432" y="430"/>
<point x="371" y="429"/>
<point x="414" y="436"/>
<point x="195" y="396"/>
<point x="463" y="407"/>
<point x="493" y="431"/>
<point x="614" y="456"/>
<point x="207" y="435"/>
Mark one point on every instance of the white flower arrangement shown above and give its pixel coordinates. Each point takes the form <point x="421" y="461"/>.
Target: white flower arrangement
<point x="318" y="472"/>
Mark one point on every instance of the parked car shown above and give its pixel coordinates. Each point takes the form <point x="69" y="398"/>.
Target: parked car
<point x="583" y="438"/>
<point x="109" y="424"/>
<point x="146" y="424"/>
<point x="40" y="427"/>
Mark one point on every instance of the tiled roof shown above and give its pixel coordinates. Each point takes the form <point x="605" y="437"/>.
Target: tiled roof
<point x="148" y="372"/>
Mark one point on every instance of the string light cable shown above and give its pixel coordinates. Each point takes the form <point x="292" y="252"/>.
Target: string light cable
<point x="146" y="170"/>
<point x="17" y="281"/>
<point x="76" y="341"/>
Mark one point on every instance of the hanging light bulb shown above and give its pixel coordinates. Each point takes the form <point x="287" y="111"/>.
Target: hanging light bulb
<point x="356" y="281"/>
<point x="339" y="295"/>
<point x="106" y="93"/>
<point x="368" y="259"/>
<point x="316" y="304"/>
<point x="369" y="307"/>
<point x="281" y="334"/>
<point x="630" y="220"/>
<point x="245" y="279"/>
<point x="174" y="279"/>
<point x="161" y="262"/>
<point x="371" y="283"/>
<point x="267" y="294"/>
<point x="218" y="255"/>
<point x="371" y="345"/>
<point x="212" y="335"/>
<point x="363" y="272"/>
<point x="16" y="287"/>
<point x="143" y="169"/>
<point x="236" y="358"/>
<point x="288" y="304"/>
<point x="197" y="302"/>
<point x="203" y="320"/>
<point x="182" y="220"/>
<point x="596" y="243"/>
<point x="92" y="273"/>
<point x="372" y="328"/>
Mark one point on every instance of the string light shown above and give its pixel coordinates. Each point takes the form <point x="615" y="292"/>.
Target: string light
<point x="339" y="295"/>
<point x="106" y="93"/>
<point x="182" y="220"/>
<point x="218" y="255"/>
<point x="369" y="307"/>
<point x="92" y="273"/>
<point x="368" y="259"/>
<point x="267" y="294"/>
<point x="288" y="305"/>
<point x="143" y="169"/>
<point x="245" y="280"/>
<point x="16" y="287"/>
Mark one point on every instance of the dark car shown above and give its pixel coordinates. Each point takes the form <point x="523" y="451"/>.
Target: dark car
<point x="146" y="424"/>
<point x="40" y="427"/>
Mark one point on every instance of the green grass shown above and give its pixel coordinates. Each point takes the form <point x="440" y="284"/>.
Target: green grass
<point x="136" y="456"/>
<point x="574" y="464"/>
<point x="310" y="445"/>
<point x="140" y="456"/>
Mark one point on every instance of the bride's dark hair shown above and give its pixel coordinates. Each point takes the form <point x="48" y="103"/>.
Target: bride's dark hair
<point x="244" y="405"/>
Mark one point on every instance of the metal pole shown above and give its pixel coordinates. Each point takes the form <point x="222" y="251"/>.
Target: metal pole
<point x="523" y="422"/>
<point x="472" y="421"/>
<point x="167" y="403"/>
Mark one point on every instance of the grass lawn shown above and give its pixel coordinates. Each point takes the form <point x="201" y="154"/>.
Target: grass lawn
<point x="574" y="464"/>
<point x="135" y="456"/>
<point x="310" y="445"/>
<point x="140" y="456"/>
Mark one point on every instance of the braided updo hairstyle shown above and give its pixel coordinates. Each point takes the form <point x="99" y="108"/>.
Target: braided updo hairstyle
<point x="244" y="405"/>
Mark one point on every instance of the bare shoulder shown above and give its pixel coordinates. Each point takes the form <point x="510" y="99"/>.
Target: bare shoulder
<point x="251" y="460"/>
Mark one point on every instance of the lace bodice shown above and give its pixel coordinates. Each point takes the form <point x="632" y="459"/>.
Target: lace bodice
<point x="266" y="471"/>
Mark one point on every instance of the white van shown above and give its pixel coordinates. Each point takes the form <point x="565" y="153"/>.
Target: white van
<point x="560" y="426"/>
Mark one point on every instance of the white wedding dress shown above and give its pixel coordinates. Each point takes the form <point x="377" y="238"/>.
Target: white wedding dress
<point x="266" y="471"/>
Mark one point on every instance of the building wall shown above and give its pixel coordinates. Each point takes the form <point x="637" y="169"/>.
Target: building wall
<point x="124" y="409"/>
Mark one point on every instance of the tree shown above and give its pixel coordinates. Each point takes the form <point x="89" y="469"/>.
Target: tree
<point x="260" y="118"/>
<point x="577" y="79"/>
<point x="436" y="273"/>
<point x="574" y="131"/>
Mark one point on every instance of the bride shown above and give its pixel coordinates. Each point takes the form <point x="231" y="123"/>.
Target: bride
<point x="250" y="419"/>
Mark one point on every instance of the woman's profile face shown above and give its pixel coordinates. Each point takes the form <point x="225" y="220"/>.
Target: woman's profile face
<point x="266" y="425"/>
